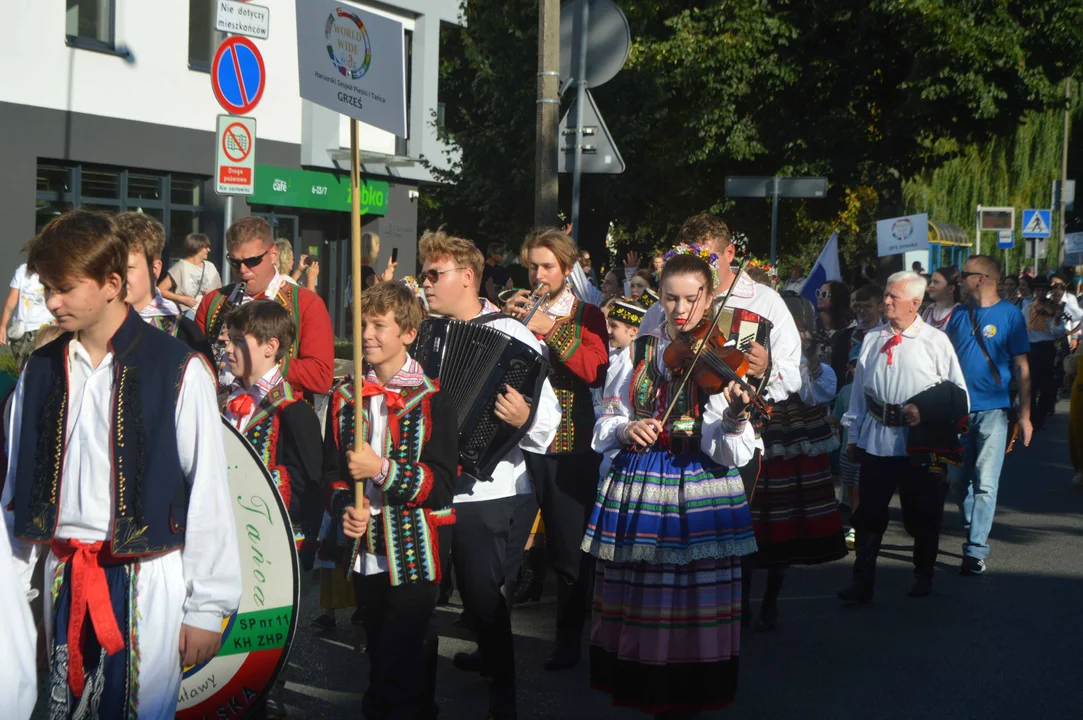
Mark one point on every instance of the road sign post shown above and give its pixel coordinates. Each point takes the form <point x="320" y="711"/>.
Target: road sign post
<point x="1005" y="239"/>
<point x="775" y="188"/>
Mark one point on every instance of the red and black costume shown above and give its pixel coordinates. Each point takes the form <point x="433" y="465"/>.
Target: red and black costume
<point x="309" y="363"/>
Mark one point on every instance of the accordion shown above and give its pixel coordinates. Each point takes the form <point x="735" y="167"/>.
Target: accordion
<point x="473" y="363"/>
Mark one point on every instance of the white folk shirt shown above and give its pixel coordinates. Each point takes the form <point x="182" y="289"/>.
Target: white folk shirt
<point x="198" y="585"/>
<point x="785" y="372"/>
<point x="18" y="663"/>
<point x="258" y="391"/>
<point x="924" y="358"/>
<point x="509" y="476"/>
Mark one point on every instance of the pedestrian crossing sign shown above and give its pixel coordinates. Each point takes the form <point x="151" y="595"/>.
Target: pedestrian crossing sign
<point x="1036" y="223"/>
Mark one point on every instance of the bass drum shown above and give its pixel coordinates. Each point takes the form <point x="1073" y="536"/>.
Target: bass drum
<point x="255" y="640"/>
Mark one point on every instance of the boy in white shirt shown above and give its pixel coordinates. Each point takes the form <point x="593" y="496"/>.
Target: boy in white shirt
<point x="117" y="463"/>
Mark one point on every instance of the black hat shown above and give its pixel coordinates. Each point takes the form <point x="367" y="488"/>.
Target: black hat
<point x="627" y="311"/>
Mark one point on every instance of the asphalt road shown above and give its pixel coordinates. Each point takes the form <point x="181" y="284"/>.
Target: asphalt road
<point x="1008" y="644"/>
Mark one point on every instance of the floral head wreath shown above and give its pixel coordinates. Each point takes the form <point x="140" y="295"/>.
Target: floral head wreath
<point x="702" y="253"/>
<point x="771" y="270"/>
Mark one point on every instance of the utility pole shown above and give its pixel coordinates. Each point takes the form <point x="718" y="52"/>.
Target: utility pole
<point x="1063" y="172"/>
<point x="546" y="187"/>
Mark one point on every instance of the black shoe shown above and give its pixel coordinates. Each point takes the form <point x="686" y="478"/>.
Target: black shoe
<point x="768" y="618"/>
<point x="923" y="587"/>
<point x="563" y="658"/>
<point x="858" y="592"/>
<point x="972" y="566"/>
<point x="470" y="662"/>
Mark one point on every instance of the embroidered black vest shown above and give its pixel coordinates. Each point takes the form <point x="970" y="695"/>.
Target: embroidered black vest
<point x="576" y="401"/>
<point x="651" y="392"/>
<point x="150" y="495"/>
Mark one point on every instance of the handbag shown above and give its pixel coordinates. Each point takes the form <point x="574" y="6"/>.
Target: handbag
<point x="1013" y="416"/>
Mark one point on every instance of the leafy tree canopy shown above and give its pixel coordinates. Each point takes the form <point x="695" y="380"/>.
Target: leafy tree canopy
<point x="869" y="93"/>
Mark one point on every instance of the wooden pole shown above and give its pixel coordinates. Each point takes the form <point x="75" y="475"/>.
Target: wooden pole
<point x="355" y="271"/>
<point x="546" y="186"/>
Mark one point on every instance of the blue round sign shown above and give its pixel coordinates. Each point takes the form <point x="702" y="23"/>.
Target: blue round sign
<point x="238" y="75"/>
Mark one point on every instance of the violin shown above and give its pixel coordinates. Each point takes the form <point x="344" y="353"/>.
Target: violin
<point x="719" y="364"/>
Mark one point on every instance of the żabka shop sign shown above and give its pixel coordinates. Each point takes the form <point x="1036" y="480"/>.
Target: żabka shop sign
<point x="291" y="187"/>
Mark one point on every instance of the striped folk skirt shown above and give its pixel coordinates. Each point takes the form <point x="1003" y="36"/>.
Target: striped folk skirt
<point x="666" y="622"/>
<point x="794" y="512"/>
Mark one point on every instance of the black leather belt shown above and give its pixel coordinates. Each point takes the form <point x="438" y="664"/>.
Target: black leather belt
<point x="889" y="415"/>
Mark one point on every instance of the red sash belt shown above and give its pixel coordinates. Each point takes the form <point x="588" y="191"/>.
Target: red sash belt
<point x="89" y="596"/>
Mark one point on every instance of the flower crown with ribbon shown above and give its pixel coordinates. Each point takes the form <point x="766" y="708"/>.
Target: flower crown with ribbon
<point x="702" y="253"/>
<point x="771" y="270"/>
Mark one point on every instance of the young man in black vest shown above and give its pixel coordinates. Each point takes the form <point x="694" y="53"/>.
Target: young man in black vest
<point x="118" y="467"/>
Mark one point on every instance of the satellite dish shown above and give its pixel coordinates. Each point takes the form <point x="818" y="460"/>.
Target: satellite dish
<point x="609" y="38"/>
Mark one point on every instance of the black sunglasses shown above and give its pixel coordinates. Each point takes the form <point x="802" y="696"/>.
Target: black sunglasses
<point x="967" y="273"/>
<point x="249" y="262"/>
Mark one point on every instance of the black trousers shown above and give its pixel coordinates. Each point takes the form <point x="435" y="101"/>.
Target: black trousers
<point x="479" y="551"/>
<point x="566" y="486"/>
<point x="523" y="513"/>
<point x="1043" y="381"/>
<point x="921" y="495"/>
<point x="402" y="648"/>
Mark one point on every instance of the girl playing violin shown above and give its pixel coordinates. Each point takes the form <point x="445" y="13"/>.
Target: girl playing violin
<point x="670" y="523"/>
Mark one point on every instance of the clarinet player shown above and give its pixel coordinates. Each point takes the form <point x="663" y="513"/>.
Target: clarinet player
<point x="493" y="517"/>
<point x="565" y="478"/>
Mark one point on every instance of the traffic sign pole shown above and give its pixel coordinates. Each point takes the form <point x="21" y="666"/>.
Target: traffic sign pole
<point x="580" y="98"/>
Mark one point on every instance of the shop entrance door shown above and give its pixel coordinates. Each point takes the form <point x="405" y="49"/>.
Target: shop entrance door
<point x="286" y="227"/>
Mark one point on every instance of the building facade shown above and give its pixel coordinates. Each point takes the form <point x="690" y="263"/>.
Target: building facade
<point x="107" y="104"/>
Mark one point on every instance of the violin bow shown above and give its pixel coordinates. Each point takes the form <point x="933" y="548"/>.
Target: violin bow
<point x="703" y="345"/>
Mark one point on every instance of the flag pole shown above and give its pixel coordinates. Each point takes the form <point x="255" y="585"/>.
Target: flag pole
<point x="355" y="271"/>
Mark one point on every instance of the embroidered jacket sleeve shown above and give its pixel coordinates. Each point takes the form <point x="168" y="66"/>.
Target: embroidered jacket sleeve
<point x="312" y="370"/>
<point x="210" y="558"/>
<point x="728" y="441"/>
<point x="582" y="349"/>
<point x="430" y="482"/>
<point x="300" y="452"/>
<point x="615" y="409"/>
<point x="203" y="310"/>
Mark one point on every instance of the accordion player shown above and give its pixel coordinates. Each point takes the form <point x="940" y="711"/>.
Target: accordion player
<point x="474" y="362"/>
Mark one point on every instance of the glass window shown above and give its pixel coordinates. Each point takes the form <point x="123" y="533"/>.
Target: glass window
<point x="46" y="211"/>
<point x="101" y="183"/>
<point x="90" y="20"/>
<point x="186" y="190"/>
<point x="181" y="222"/>
<point x="203" y="39"/>
<point x="54" y="179"/>
<point x="144" y="187"/>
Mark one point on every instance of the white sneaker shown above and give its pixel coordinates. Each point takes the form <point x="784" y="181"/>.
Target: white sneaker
<point x="851" y="538"/>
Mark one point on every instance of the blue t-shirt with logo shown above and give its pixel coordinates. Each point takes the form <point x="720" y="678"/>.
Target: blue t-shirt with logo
<point x="1005" y="333"/>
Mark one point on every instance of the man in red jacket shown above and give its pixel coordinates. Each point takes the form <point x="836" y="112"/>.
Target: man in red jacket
<point x="310" y="362"/>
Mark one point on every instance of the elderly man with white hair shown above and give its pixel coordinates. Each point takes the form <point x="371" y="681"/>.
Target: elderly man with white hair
<point x="906" y="369"/>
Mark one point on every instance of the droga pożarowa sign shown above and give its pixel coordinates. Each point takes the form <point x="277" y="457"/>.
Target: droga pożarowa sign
<point x="351" y="61"/>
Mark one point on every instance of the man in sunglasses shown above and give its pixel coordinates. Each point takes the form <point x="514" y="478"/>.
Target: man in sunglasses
<point x="309" y="363"/>
<point x="493" y="517"/>
<point x="990" y="338"/>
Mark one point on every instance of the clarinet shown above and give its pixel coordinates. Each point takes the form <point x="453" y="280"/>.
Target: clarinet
<point x="218" y="344"/>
